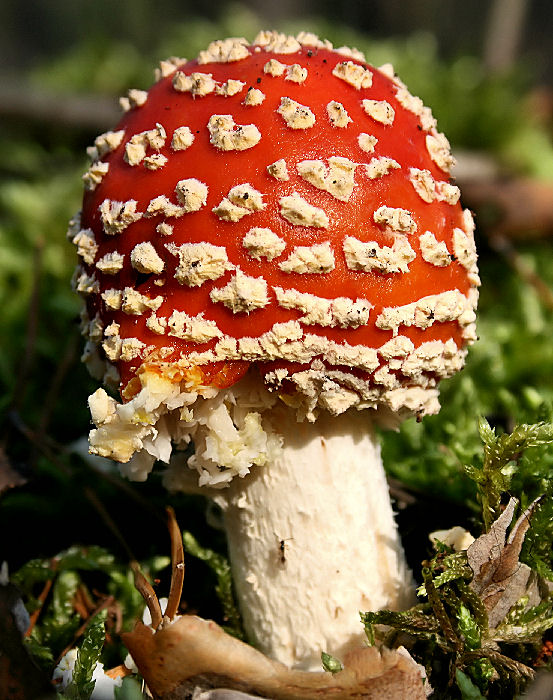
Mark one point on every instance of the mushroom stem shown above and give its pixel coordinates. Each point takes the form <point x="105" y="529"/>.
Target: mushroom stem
<point x="313" y="541"/>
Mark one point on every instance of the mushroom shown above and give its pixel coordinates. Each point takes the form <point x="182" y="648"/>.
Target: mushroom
<point x="274" y="261"/>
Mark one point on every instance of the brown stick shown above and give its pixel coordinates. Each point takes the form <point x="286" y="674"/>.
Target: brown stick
<point x="42" y="599"/>
<point x="43" y="445"/>
<point x="144" y="587"/>
<point x="102" y="606"/>
<point x="108" y="520"/>
<point x="177" y="561"/>
<point x="26" y="103"/>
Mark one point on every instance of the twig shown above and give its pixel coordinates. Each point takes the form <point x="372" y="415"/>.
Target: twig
<point x="108" y="520"/>
<point x="82" y="601"/>
<point x="440" y="611"/>
<point x="144" y="587"/>
<point x="68" y="471"/>
<point x="127" y="489"/>
<point x="400" y="493"/>
<point x="177" y="561"/>
<point x="23" y="102"/>
<point x="81" y="630"/>
<point x="42" y="445"/>
<point x="42" y="599"/>
<point x="47" y="446"/>
<point x="500" y="660"/>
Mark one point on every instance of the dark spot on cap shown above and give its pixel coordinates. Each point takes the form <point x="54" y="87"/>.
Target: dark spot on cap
<point x="258" y="80"/>
<point x="142" y="278"/>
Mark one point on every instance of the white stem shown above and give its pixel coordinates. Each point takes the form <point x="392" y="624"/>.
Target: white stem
<point x="313" y="541"/>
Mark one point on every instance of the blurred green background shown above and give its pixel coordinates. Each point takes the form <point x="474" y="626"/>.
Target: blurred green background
<point x="486" y="71"/>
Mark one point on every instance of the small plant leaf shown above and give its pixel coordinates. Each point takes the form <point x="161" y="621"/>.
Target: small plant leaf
<point x="82" y="683"/>
<point x="469" y="691"/>
<point x="468" y="628"/>
<point x="331" y="663"/>
<point x="501" y="454"/>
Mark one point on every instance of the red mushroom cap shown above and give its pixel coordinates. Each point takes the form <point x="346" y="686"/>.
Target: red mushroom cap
<point x="282" y="204"/>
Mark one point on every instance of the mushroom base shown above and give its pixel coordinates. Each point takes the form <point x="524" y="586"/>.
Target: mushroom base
<point x="313" y="541"/>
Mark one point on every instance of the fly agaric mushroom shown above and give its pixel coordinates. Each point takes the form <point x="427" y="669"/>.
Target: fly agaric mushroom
<point x="273" y="259"/>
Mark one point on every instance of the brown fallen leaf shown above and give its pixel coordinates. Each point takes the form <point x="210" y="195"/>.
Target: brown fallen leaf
<point x="500" y="579"/>
<point x="226" y="694"/>
<point x="191" y="654"/>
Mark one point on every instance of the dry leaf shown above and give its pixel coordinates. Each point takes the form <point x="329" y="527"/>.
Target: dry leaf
<point x="225" y="694"/>
<point x="191" y="655"/>
<point x="500" y="579"/>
